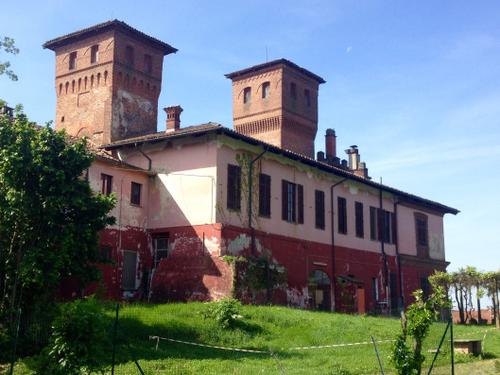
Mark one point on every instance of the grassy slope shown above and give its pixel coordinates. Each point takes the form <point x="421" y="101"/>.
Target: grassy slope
<point x="264" y="328"/>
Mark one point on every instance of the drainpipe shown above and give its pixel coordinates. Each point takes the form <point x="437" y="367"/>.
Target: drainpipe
<point x="250" y="226"/>
<point x="150" y="162"/>
<point x="250" y="182"/>
<point x="334" y="281"/>
<point x="381" y="226"/>
<point x="398" y="258"/>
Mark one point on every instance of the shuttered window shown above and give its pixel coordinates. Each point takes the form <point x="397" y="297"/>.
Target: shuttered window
<point x="233" y="187"/>
<point x="382" y="225"/>
<point x="292" y="202"/>
<point x="135" y="193"/>
<point x="342" y="214"/>
<point x="264" y="195"/>
<point x="373" y="223"/>
<point x="319" y="200"/>
<point x="358" y="212"/>
<point x="106" y="184"/>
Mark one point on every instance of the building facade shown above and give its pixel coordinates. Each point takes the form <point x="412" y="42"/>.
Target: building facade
<point x="203" y="209"/>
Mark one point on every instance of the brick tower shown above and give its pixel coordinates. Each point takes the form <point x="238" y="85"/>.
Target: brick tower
<point x="277" y="102"/>
<point x="108" y="79"/>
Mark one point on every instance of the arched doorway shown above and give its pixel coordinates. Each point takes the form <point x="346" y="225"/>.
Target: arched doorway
<point x="319" y="290"/>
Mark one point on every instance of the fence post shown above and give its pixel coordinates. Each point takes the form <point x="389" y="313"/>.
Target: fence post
<point x="115" y="329"/>
<point x="439" y="347"/>
<point x="378" y="356"/>
<point x="452" y="347"/>
<point x="14" y="347"/>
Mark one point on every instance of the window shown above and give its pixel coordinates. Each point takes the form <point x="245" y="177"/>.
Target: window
<point x="129" y="55"/>
<point x="148" y="64"/>
<point x="319" y="199"/>
<point x="160" y="246"/>
<point x="342" y="211"/>
<point x="135" y="193"/>
<point x="421" y="229"/>
<point x="233" y="187"/>
<point x="266" y="90"/>
<point x="425" y="286"/>
<point x="307" y="96"/>
<point x="358" y="212"/>
<point x="264" y="195"/>
<point x="105" y="252"/>
<point x="422" y="235"/>
<point x="293" y="90"/>
<point x="292" y="202"/>
<point x="106" y="184"/>
<point x="382" y="225"/>
<point x="72" y="60"/>
<point x="94" y="54"/>
<point x="247" y="95"/>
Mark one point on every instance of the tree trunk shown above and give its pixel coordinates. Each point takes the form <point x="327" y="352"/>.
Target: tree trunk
<point x="479" y="317"/>
<point x="459" y="305"/>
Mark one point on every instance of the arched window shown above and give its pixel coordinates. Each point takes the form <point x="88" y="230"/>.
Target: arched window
<point x="247" y="95"/>
<point x="79" y="84"/>
<point x="129" y="55"/>
<point x="307" y="97"/>
<point x="67" y="87"/>
<point x="293" y="90"/>
<point x="94" y="54"/>
<point x="98" y="79"/>
<point x="266" y="90"/>
<point x="85" y="83"/>
<point x="105" y="76"/>
<point x="72" y="61"/>
<point x="60" y="88"/>
<point x="148" y="64"/>
<point x="92" y="81"/>
<point x="73" y="86"/>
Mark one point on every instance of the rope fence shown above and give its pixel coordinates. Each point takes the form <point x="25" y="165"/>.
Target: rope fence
<point x="158" y="338"/>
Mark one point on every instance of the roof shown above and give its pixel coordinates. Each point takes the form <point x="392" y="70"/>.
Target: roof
<point x="105" y="26"/>
<point x="215" y="128"/>
<point x="272" y="64"/>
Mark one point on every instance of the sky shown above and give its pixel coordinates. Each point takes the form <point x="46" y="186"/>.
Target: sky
<point x="416" y="85"/>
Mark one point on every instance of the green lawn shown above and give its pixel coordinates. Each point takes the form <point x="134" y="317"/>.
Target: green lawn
<point x="275" y="329"/>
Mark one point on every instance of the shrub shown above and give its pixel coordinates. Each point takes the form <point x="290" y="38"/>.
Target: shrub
<point x="79" y="336"/>
<point x="225" y="312"/>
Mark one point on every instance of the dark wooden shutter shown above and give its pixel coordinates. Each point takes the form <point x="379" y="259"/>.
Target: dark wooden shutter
<point x="284" y="200"/>
<point x="393" y="227"/>
<point x="320" y="209"/>
<point x="129" y="269"/>
<point x="360" y="230"/>
<point x="342" y="212"/>
<point x="373" y="223"/>
<point x="264" y="195"/>
<point x="233" y="187"/>
<point x="300" y="204"/>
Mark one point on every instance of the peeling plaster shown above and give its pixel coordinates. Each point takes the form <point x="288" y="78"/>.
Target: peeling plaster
<point x="240" y="243"/>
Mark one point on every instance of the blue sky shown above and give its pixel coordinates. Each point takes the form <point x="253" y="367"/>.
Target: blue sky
<point x="416" y="85"/>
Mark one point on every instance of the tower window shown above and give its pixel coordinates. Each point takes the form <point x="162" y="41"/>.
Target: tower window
<point x="307" y="96"/>
<point x="72" y="60"/>
<point x="266" y="90"/>
<point x="247" y="95"/>
<point x="129" y="55"/>
<point x="94" y="54"/>
<point x="148" y="64"/>
<point x="293" y="90"/>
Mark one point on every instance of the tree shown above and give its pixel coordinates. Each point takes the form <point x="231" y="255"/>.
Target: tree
<point x="8" y="45"/>
<point x="416" y="323"/>
<point x="49" y="216"/>
<point x="491" y="283"/>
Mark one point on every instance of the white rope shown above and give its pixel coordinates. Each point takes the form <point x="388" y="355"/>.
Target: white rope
<point x="337" y="345"/>
<point x="158" y="338"/>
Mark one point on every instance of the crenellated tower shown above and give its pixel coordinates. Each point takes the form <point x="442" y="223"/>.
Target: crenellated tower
<point x="108" y="80"/>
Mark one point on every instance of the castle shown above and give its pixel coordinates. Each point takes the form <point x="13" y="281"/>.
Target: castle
<point x="193" y="199"/>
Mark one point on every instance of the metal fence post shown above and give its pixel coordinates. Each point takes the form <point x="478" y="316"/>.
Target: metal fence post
<point x="452" y="347"/>
<point x="439" y="347"/>
<point x="115" y="329"/>
<point x="378" y="356"/>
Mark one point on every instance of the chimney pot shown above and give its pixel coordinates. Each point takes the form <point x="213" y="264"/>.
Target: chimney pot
<point x="330" y="144"/>
<point x="320" y="156"/>
<point x="173" y="117"/>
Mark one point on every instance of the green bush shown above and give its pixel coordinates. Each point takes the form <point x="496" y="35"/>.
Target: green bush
<point x="225" y="312"/>
<point x="78" y="340"/>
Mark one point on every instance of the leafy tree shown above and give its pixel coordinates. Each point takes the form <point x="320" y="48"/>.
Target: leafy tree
<point x="49" y="216"/>
<point x="491" y="283"/>
<point x="8" y="45"/>
<point x="415" y="323"/>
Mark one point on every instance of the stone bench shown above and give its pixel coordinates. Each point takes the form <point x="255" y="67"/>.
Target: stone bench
<point x="468" y="346"/>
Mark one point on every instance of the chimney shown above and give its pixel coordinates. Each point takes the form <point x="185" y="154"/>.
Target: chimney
<point x="330" y="145"/>
<point x="362" y="171"/>
<point x="173" y="117"/>
<point x="320" y="156"/>
<point x="353" y="157"/>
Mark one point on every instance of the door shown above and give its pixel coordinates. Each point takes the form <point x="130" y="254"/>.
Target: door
<point x="129" y="270"/>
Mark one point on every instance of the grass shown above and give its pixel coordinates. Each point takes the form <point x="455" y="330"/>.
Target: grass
<point x="275" y="329"/>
